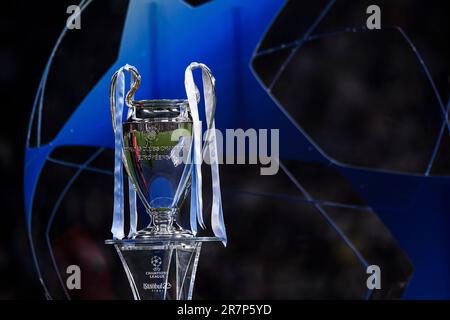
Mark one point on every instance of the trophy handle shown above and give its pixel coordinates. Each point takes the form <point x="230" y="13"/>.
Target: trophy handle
<point x="213" y="111"/>
<point x="135" y="83"/>
<point x="184" y="182"/>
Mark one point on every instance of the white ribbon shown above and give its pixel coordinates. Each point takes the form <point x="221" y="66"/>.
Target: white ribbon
<point x="217" y="221"/>
<point x="133" y="209"/>
<point x="117" y="104"/>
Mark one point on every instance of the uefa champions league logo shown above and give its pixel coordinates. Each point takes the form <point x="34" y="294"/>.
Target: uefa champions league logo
<point x="156" y="263"/>
<point x="151" y="135"/>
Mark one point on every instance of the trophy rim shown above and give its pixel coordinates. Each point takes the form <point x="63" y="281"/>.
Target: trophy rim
<point x="167" y="119"/>
<point x="158" y="103"/>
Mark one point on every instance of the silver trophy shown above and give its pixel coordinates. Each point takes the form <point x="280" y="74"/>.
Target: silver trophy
<point x="160" y="260"/>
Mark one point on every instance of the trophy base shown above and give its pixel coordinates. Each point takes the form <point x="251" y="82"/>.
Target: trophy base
<point x="161" y="267"/>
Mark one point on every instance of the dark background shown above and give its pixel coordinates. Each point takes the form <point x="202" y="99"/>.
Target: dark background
<point x="29" y="30"/>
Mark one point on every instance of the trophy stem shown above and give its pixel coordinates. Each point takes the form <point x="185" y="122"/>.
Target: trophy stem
<point x="162" y="221"/>
<point x="163" y="224"/>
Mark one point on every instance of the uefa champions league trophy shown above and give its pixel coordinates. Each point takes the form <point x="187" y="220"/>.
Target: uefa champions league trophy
<point x="160" y="146"/>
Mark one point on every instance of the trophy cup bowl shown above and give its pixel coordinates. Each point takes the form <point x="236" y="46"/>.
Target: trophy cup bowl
<point x="160" y="260"/>
<point x="157" y="140"/>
